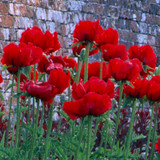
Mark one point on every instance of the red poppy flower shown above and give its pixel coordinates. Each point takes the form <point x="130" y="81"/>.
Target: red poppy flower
<point x="1" y="79"/>
<point x="43" y="90"/>
<point x="59" y="79"/>
<point x="53" y="62"/>
<point x="69" y="62"/>
<point x="108" y="36"/>
<point x="157" y="145"/>
<point x="139" y="89"/>
<point x="94" y="70"/>
<point x="46" y="41"/>
<point x="153" y="92"/>
<point x="77" y="49"/>
<point x="124" y="70"/>
<point x="86" y="31"/>
<point x="145" y="54"/>
<point x="20" y="56"/>
<point x="111" y="51"/>
<point x="90" y="99"/>
<point x="101" y="87"/>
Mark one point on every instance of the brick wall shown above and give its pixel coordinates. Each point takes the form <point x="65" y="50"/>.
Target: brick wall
<point x="137" y="21"/>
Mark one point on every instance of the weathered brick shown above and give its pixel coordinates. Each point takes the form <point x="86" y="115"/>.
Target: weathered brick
<point x="19" y="32"/>
<point x="20" y="9"/>
<point x="41" y="13"/>
<point x="6" y="21"/>
<point x="142" y="38"/>
<point x="135" y="26"/>
<point x="75" y="5"/>
<point x="11" y="8"/>
<point x="151" y="40"/>
<point x="50" y="26"/>
<point x="23" y="22"/>
<point x="59" y="5"/>
<point x="4" y="8"/>
<point x="143" y="27"/>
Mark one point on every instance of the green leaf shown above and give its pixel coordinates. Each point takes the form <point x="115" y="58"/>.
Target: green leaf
<point x="5" y="67"/>
<point x="22" y="94"/>
<point x="10" y="86"/>
<point x="130" y="84"/>
<point x="138" y="137"/>
<point x="77" y="44"/>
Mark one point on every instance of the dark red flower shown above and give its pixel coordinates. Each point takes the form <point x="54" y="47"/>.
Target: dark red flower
<point x="1" y="79"/>
<point x="111" y="51"/>
<point x="145" y="54"/>
<point x="86" y="31"/>
<point x="157" y="145"/>
<point x="108" y="36"/>
<point x="91" y="98"/>
<point x="94" y="70"/>
<point x="43" y="90"/>
<point x="69" y="62"/>
<point x="20" y="55"/>
<point x="153" y="92"/>
<point x="46" y="41"/>
<point x="139" y="89"/>
<point x="59" y="79"/>
<point x="124" y="70"/>
<point x="77" y="49"/>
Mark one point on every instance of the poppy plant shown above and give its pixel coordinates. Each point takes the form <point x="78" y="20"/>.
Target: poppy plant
<point x="91" y="98"/>
<point x="77" y="49"/>
<point x="153" y="92"/>
<point x="145" y="54"/>
<point x="46" y="41"/>
<point x="139" y="89"/>
<point x="111" y="51"/>
<point x="94" y="70"/>
<point x="124" y="70"/>
<point x="21" y="55"/>
<point x="58" y="81"/>
<point x="42" y="90"/>
<point x="157" y="145"/>
<point x="86" y="31"/>
<point x="108" y="36"/>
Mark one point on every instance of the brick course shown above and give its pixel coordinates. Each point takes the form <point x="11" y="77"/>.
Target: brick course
<point x="138" y="22"/>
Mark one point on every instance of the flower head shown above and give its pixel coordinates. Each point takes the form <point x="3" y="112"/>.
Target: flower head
<point x="91" y="98"/>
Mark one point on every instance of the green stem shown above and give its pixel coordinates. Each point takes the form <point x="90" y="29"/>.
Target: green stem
<point x="10" y="106"/>
<point x="154" y="133"/>
<point x="78" y="71"/>
<point x="49" y="127"/>
<point x="101" y="66"/>
<point x="28" y="116"/>
<point x="149" y="134"/>
<point x="89" y="137"/>
<point x="86" y="63"/>
<point x="128" y="140"/>
<point x="34" y="129"/>
<point x="18" y="113"/>
<point x="80" y="139"/>
<point x="69" y="92"/>
<point x="118" y="113"/>
<point x="42" y="116"/>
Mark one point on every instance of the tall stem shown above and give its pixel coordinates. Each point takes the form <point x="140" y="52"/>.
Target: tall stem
<point x="149" y="134"/>
<point x="78" y="71"/>
<point x="80" y="139"/>
<point x="89" y="137"/>
<point x="118" y="113"/>
<point x="101" y="66"/>
<point x="9" y="116"/>
<point x="128" y="140"/>
<point x="18" y="113"/>
<point x="34" y="130"/>
<point x="86" y="63"/>
<point x="49" y="127"/>
<point x="154" y="133"/>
